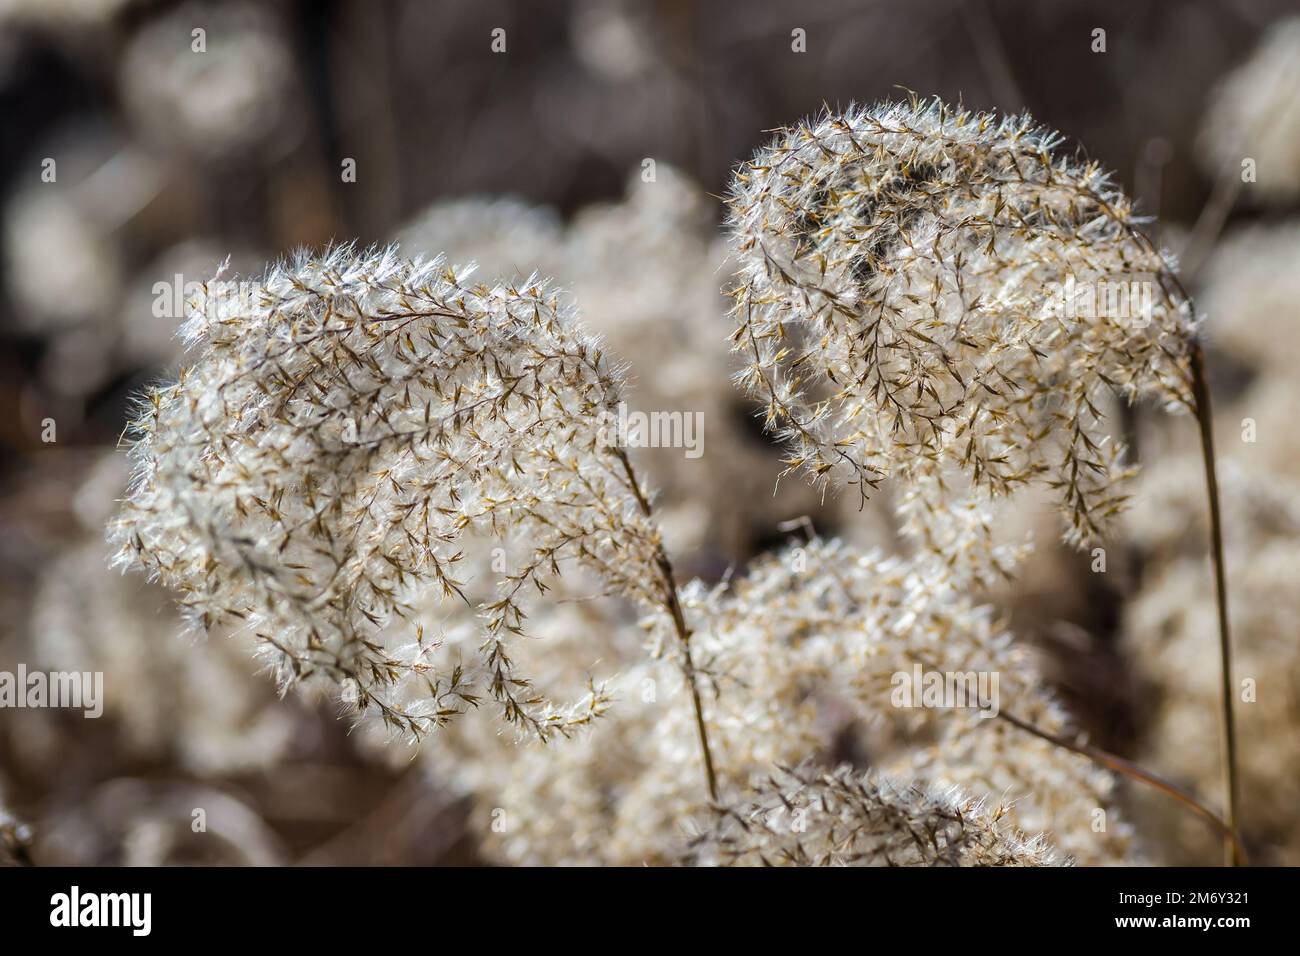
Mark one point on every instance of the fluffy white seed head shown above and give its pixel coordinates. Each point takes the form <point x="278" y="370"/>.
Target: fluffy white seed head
<point x="930" y="290"/>
<point x="797" y="661"/>
<point x="351" y="423"/>
<point x="807" y="817"/>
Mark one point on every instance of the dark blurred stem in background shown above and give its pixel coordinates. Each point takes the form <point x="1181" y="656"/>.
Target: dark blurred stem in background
<point x="359" y="55"/>
<point x="321" y="154"/>
<point x="994" y="62"/>
<point x="681" y="25"/>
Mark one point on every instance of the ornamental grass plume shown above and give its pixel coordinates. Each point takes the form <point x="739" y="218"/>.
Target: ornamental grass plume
<point x="904" y="304"/>
<point x="806" y="817"/>
<point x="940" y="294"/>
<point x="645" y="269"/>
<point x="849" y="623"/>
<point x="351" y="423"/>
<point x="798" y="661"/>
<point x="194" y="702"/>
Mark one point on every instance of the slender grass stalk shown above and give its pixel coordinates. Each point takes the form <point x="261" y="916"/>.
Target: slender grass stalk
<point x="1133" y="771"/>
<point x="1204" y="419"/>
<point x="1234" y="851"/>
<point x="674" y="608"/>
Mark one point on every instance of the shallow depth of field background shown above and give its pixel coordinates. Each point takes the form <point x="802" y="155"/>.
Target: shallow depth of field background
<point x="168" y="161"/>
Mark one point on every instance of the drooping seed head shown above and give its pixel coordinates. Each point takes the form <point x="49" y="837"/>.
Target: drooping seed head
<point x="929" y="290"/>
<point x="350" y="425"/>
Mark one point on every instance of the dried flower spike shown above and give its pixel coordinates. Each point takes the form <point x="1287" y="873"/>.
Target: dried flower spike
<point x="350" y="422"/>
<point x="805" y="817"/>
<point x="930" y="290"/>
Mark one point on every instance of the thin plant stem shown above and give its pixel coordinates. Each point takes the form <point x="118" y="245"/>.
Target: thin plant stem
<point x="674" y="608"/>
<point x="1129" y="769"/>
<point x="1204" y="419"/>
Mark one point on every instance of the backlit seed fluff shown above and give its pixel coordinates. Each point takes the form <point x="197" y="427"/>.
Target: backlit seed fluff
<point x="798" y="661"/>
<point x="843" y="817"/>
<point x="927" y="290"/>
<point x="350" y="421"/>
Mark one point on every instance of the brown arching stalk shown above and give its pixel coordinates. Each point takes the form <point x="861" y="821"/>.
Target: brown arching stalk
<point x="673" y="607"/>
<point x="1131" y="770"/>
<point x="1204" y="414"/>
